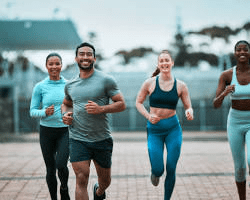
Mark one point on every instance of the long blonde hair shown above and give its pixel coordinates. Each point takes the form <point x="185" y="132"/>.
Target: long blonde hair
<point x="157" y="70"/>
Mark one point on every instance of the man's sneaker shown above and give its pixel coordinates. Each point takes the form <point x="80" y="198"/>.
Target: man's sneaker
<point x="103" y="196"/>
<point x="155" y="180"/>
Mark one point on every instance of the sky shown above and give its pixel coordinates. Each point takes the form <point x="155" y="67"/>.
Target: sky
<point x="124" y="25"/>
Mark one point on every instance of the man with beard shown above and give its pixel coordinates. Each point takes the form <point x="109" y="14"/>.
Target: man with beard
<point x="84" y="108"/>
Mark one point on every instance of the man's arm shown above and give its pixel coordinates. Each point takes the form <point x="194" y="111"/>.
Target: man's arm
<point x="118" y="105"/>
<point x="67" y="111"/>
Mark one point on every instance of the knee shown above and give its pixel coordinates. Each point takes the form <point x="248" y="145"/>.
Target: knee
<point x="51" y="175"/>
<point x="61" y="165"/>
<point x="158" y="171"/>
<point x="63" y="170"/>
<point x="51" y="171"/>
<point x="171" y="169"/>
<point x="240" y="174"/>
<point x="82" y="179"/>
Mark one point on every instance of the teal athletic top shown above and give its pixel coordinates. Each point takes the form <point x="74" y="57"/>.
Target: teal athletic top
<point x="99" y="87"/>
<point x="46" y="93"/>
<point x="241" y="91"/>
<point x="164" y="99"/>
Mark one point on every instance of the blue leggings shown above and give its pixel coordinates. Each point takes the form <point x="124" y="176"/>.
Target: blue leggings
<point x="238" y="131"/>
<point x="168" y="132"/>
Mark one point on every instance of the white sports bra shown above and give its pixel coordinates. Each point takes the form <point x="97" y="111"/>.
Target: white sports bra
<point x="241" y="91"/>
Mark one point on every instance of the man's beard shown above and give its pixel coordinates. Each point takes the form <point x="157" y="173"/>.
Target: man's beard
<point x="91" y="65"/>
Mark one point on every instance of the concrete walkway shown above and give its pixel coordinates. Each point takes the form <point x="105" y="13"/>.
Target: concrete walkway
<point x="204" y="172"/>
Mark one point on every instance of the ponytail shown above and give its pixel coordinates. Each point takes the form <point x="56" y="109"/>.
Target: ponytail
<point x="156" y="72"/>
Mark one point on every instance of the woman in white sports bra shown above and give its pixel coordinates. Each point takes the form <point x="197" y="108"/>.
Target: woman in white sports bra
<point x="236" y="83"/>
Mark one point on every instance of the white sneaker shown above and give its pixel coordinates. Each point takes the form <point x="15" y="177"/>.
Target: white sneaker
<point x="155" y="180"/>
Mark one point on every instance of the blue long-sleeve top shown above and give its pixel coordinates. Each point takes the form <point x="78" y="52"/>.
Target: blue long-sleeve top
<point x="46" y="93"/>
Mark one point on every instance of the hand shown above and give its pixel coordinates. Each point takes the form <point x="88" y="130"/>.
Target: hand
<point x="229" y="89"/>
<point x="154" y="119"/>
<point x="93" y="108"/>
<point x="49" y="110"/>
<point x="67" y="118"/>
<point x="189" y="114"/>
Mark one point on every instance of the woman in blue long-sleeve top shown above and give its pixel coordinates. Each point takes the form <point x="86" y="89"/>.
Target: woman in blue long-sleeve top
<point x="46" y="101"/>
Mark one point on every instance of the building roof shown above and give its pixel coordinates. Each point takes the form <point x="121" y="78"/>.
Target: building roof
<point x="38" y="35"/>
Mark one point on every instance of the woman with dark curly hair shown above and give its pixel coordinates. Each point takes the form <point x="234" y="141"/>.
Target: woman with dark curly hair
<point x="235" y="82"/>
<point x="47" y="98"/>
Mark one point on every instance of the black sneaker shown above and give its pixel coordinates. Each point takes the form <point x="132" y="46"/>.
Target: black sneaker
<point x="103" y="196"/>
<point x="155" y="180"/>
<point x="64" y="194"/>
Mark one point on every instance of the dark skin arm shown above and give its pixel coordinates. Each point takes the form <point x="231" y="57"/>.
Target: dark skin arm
<point x="49" y="110"/>
<point x="67" y="106"/>
<point x="118" y="105"/>
<point x="224" y="88"/>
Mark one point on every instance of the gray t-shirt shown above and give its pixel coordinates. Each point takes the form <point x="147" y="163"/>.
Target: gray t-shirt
<point x="99" y="87"/>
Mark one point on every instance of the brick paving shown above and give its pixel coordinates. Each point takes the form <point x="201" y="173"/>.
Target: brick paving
<point x="204" y="172"/>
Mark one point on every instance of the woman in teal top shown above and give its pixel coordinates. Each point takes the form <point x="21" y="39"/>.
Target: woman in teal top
<point x="163" y="127"/>
<point x="46" y="101"/>
<point x="235" y="82"/>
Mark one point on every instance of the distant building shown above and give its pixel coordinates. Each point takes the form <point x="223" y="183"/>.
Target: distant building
<point x="17" y="79"/>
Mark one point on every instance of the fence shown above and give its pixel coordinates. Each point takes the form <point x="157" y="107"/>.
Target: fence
<point x="205" y="118"/>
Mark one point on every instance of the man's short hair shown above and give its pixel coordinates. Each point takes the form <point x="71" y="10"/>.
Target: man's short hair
<point x="85" y="44"/>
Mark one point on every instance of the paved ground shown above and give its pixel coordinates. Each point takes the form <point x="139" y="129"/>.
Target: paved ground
<point x="205" y="169"/>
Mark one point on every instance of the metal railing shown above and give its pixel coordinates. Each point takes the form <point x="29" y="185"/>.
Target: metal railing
<point x="206" y="117"/>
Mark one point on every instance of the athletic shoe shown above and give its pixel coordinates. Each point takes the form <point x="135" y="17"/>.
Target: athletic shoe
<point x="155" y="180"/>
<point x="103" y="196"/>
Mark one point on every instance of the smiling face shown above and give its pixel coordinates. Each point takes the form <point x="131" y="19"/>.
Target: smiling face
<point x="242" y="53"/>
<point x="85" y="58"/>
<point x="54" y="67"/>
<point x="165" y="63"/>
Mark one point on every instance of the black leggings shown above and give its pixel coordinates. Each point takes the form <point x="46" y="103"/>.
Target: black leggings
<point x="55" y="149"/>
